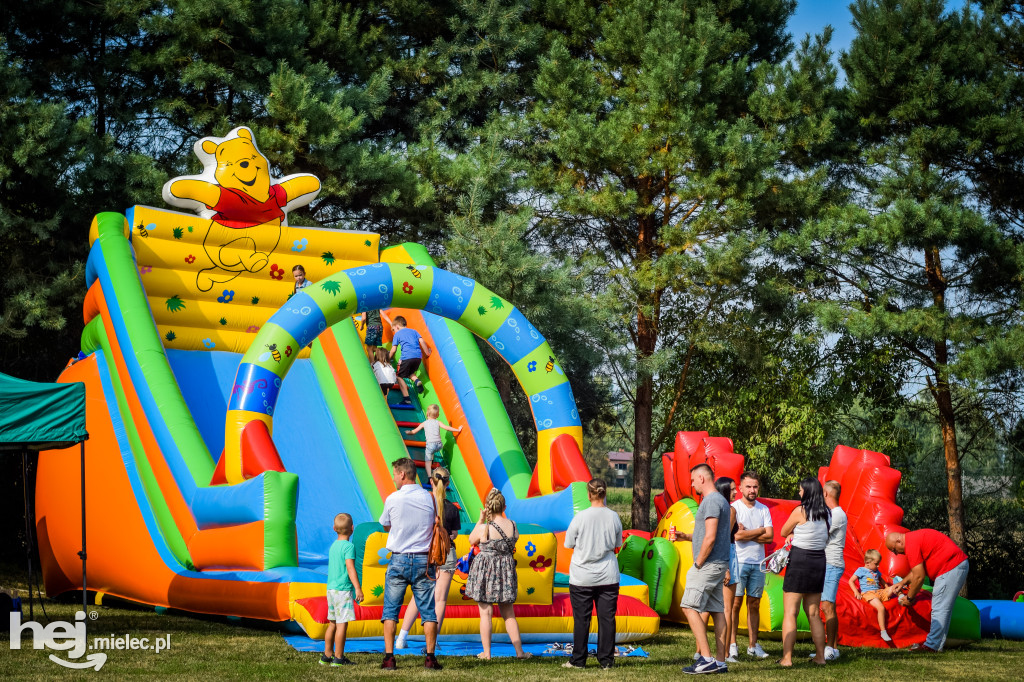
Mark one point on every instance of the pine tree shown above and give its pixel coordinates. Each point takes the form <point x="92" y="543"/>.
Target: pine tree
<point x="42" y="263"/>
<point x="918" y="261"/>
<point x="495" y="240"/>
<point x="662" y="131"/>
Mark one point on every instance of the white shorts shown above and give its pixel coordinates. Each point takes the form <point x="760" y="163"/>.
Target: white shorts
<point x="341" y="606"/>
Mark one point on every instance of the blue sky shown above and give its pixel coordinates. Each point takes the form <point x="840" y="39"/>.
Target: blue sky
<point x="813" y="15"/>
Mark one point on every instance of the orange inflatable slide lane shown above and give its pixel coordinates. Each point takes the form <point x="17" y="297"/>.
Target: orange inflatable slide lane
<point x="115" y="522"/>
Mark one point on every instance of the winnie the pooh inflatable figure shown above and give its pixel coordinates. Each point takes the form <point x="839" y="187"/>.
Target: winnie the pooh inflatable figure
<point x="246" y="207"/>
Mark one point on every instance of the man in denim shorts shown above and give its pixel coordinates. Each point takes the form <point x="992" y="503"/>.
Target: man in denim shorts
<point x="834" y="567"/>
<point x="408" y="519"/>
<point x="754" y="523"/>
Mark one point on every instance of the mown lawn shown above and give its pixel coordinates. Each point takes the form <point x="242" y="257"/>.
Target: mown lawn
<point x="621" y="500"/>
<point x="216" y="649"/>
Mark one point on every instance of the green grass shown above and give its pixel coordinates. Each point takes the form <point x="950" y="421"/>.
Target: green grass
<point x="621" y="501"/>
<point x="212" y="648"/>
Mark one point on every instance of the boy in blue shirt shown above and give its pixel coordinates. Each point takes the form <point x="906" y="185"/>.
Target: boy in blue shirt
<point x="872" y="587"/>
<point x="343" y="592"/>
<point x="414" y="349"/>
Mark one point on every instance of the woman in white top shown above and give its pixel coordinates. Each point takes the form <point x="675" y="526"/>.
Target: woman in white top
<point x="593" y="535"/>
<point x="805" y="573"/>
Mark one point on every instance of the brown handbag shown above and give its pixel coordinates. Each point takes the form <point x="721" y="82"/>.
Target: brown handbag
<point x="440" y="543"/>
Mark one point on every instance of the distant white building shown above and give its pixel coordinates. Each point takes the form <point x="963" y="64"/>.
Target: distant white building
<point x="620" y="462"/>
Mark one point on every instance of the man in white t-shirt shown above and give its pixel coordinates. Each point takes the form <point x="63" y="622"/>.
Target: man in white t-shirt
<point x="408" y="519"/>
<point x="754" y="523"/>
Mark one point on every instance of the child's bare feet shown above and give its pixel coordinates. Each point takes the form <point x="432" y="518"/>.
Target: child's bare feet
<point x="525" y="655"/>
<point x="483" y="657"/>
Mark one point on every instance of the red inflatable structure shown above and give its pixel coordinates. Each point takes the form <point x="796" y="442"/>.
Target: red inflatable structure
<point x="868" y="496"/>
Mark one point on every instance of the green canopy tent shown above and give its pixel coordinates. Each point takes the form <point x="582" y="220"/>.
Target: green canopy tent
<point x="34" y="417"/>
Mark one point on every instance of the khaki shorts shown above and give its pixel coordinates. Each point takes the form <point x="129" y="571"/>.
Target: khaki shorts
<point x="704" y="588"/>
<point x="880" y="595"/>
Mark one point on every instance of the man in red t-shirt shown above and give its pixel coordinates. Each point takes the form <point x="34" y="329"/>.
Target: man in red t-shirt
<point x="932" y="554"/>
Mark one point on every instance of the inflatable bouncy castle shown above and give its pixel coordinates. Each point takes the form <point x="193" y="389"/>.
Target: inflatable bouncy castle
<point x="231" y="417"/>
<point x="868" y="496"/>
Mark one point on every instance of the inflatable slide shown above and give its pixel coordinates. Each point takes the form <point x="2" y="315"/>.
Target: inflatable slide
<point x="231" y="417"/>
<point x="868" y="496"/>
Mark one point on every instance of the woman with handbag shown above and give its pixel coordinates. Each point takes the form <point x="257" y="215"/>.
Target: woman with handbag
<point x="492" y="577"/>
<point x="444" y="572"/>
<point x="805" y="573"/>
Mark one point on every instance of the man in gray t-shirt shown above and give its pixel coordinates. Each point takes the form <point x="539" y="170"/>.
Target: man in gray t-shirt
<point x="834" y="568"/>
<point x="703" y="593"/>
<point x="713" y="506"/>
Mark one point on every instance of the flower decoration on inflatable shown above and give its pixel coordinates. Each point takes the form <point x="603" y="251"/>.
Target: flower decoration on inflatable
<point x="245" y="206"/>
<point x="540" y="564"/>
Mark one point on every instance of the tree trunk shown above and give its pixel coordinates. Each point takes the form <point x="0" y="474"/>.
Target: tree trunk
<point x="641" y="510"/>
<point x="646" y="342"/>
<point x="947" y="414"/>
<point x="954" y="474"/>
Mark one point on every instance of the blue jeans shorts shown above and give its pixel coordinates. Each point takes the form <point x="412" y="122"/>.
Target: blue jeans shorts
<point x="833" y="574"/>
<point x="431" y="450"/>
<point x="408" y="570"/>
<point x="734" y="567"/>
<point x="751" y="581"/>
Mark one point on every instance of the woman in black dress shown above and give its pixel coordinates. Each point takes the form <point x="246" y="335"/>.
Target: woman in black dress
<point x="805" y="573"/>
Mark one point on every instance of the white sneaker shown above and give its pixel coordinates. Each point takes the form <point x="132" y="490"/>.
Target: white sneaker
<point x="732" y="659"/>
<point x="733" y="651"/>
<point x="756" y="651"/>
<point x="400" y="643"/>
<point x="830" y="654"/>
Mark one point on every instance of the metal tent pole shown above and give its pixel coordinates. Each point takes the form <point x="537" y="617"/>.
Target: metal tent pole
<point x="85" y="594"/>
<point x="28" y="533"/>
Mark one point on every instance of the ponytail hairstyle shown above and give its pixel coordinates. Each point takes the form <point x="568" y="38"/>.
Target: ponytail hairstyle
<point x="597" y="488"/>
<point x="494" y="504"/>
<point x="813" y="500"/>
<point x="724" y="487"/>
<point x="439" y="487"/>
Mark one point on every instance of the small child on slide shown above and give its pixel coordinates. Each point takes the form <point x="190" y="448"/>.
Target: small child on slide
<point x="383" y="370"/>
<point x="869" y="585"/>
<point x="414" y="349"/>
<point x="432" y="430"/>
<point x="299" y="274"/>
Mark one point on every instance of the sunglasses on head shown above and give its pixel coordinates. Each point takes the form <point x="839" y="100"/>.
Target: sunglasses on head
<point x="443" y="479"/>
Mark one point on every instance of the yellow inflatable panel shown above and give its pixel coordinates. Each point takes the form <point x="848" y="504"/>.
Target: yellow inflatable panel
<point x="535" y="569"/>
<point x="640" y="592"/>
<point x="680" y="515"/>
<point x="212" y="287"/>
